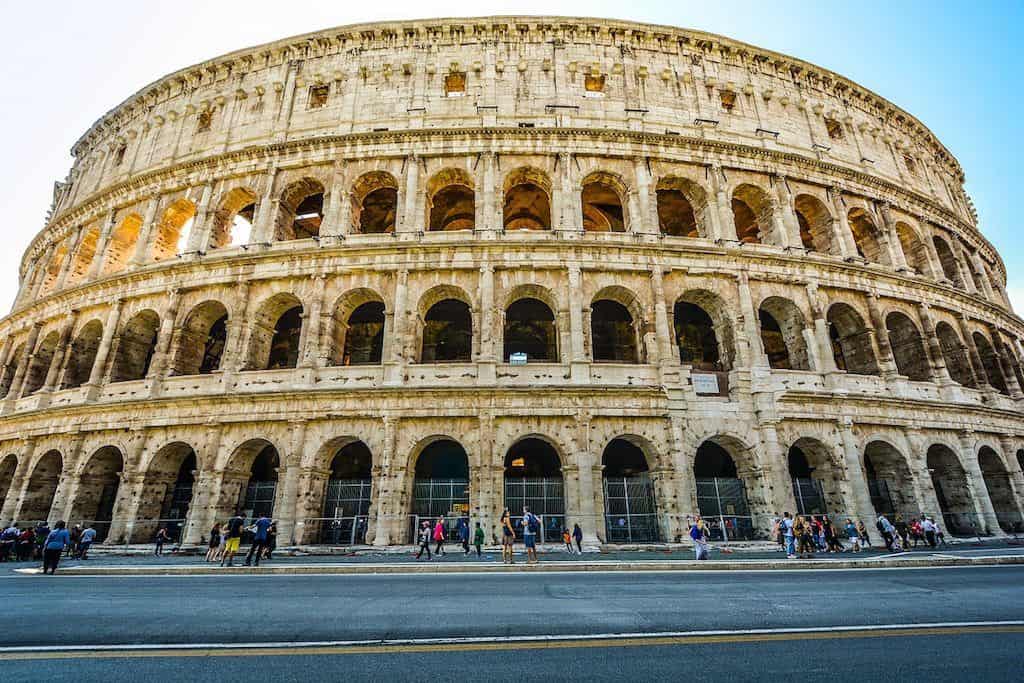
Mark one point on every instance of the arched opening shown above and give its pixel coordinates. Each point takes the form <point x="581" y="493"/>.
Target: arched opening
<point x="300" y="211"/>
<point x="914" y="249"/>
<point x="817" y="232"/>
<point x="97" y="491"/>
<point x="990" y="361"/>
<point x="364" y="335"/>
<point x="527" y="203"/>
<point x="907" y="347"/>
<point x="233" y="219"/>
<point x="1000" y="490"/>
<point x="8" y="466"/>
<point x="851" y="341"/>
<point x="890" y="482"/>
<point x="202" y="339"/>
<point x="347" y="498"/>
<point x="375" y="203"/>
<point x="173" y="229"/>
<point x="866" y="236"/>
<point x="35" y="377"/>
<point x="816" y="482"/>
<point x="136" y="347"/>
<point x="782" y="334"/>
<point x="121" y="244"/>
<point x="451" y="201"/>
<point x="752" y="214"/>
<point x="84" y="255"/>
<point x="612" y="332"/>
<point x="602" y="206"/>
<point x="168" y="493"/>
<point x="949" y="263"/>
<point x="447" y="333"/>
<point x="721" y="493"/>
<point x="952" y="492"/>
<point x="533" y="479"/>
<point x="681" y="207"/>
<point x="530" y="330"/>
<point x="10" y="369"/>
<point x="261" y="488"/>
<point x="53" y="268"/>
<point x="695" y="336"/>
<point x="441" y="484"/>
<point x="83" y="355"/>
<point x="42" y="486"/>
<point x="956" y="355"/>
<point x="276" y="333"/>
<point x="630" y="509"/>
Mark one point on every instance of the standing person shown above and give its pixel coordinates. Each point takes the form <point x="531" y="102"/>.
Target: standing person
<point x="508" y="537"/>
<point x="259" y="540"/>
<point x="862" y="531"/>
<point x="232" y="539"/>
<point x="76" y="535"/>
<point x="271" y="540"/>
<point x="531" y="526"/>
<point x="940" y="537"/>
<point x="789" y="535"/>
<point x="26" y="541"/>
<point x="88" y="537"/>
<point x="214" y="544"/>
<point x="928" y="528"/>
<point x="577" y="535"/>
<point x="478" y="539"/>
<point x="887" y="530"/>
<point x="423" y="537"/>
<point x="699" y="535"/>
<point x="567" y="540"/>
<point x="805" y="537"/>
<point x="42" y="530"/>
<point x="439" y="536"/>
<point x="831" y="537"/>
<point x="161" y="537"/>
<point x="852" y="535"/>
<point x="464" y="535"/>
<point x="53" y="546"/>
<point x="903" y="531"/>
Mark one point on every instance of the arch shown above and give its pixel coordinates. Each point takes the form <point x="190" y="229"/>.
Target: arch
<point x="8" y="371"/>
<point x="722" y="488"/>
<point x="53" y="268"/>
<point x="601" y="197"/>
<point x="276" y="332"/>
<point x="952" y="492"/>
<point x="866" y="236"/>
<point x="682" y="207"/>
<point x="83" y="355"/>
<point x="890" y="481"/>
<point x="169" y="481"/>
<point x="347" y="495"/>
<point x="8" y="466"/>
<point x="751" y="214"/>
<point x="300" y="211"/>
<point x="852" y="348"/>
<point x="955" y="354"/>
<point x="39" y="367"/>
<point x="533" y="479"/>
<point x="990" y="361"/>
<point x="121" y="244"/>
<point x="84" y="255"/>
<point x="233" y="219"/>
<point x="527" y="204"/>
<point x="441" y="481"/>
<point x="948" y="262"/>
<point x="782" y="334"/>
<point x="98" y="484"/>
<point x="202" y="339"/>
<point x="817" y="229"/>
<point x="451" y="201"/>
<point x="703" y="331"/>
<point x="364" y="335"/>
<point x="613" y="332"/>
<point x="914" y="248"/>
<point x="136" y="346"/>
<point x="259" y="463"/>
<point x="530" y="329"/>
<point x="42" y="487"/>
<point x="816" y="478"/>
<point x="630" y="506"/>
<point x="375" y="203"/>
<point x="1000" y="490"/>
<point x="173" y="229"/>
<point x="447" y="332"/>
<point x="908" y="347"/>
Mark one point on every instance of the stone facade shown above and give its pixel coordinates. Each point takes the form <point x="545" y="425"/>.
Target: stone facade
<point x="276" y="279"/>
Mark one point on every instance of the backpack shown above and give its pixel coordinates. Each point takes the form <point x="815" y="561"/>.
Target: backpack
<point x="880" y="527"/>
<point x="533" y="523"/>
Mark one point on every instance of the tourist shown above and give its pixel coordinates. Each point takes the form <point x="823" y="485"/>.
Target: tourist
<point x="76" y="536"/>
<point x="88" y="537"/>
<point x="478" y="539"/>
<point x="887" y="530"/>
<point x="161" y="537"/>
<point x="9" y="542"/>
<point x="928" y="528"/>
<point x="271" y="545"/>
<point x="699" y="535"/>
<point x="232" y="539"/>
<point x="577" y="535"/>
<point x="41" y="532"/>
<point x="776" y="533"/>
<point x="26" y="542"/>
<point x="439" y="536"/>
<point x="567" y="540"/>
<point x="852" y="535"/>
<point x="508" y="537"/>
<point x="216" y="542"/>
<point x="424" y="539"/>
<point x="903" y="531"/>
<point x="531" y="526"/>
<point x="940" y="538"/>
<point x="259" y="540"/>
<point x="53" y="546"/>
<point x="804" y="532"/>
<point x="832" y="543"/>
<point x="862" y="532"/>
<point x="464" y="535"/>
<point x="916" y="532"/>
<point x="789" y="535"/>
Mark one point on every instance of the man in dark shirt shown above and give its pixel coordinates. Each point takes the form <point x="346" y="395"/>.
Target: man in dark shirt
<point x="232" y="539"/>
<point x="259" y="541"/>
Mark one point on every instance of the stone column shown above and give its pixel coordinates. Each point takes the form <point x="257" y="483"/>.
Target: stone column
<point x="841" y="225"/>
<point x="142" y="246"/>
<point x="751" y="323"/>
<point x="775" y="474"/>
<point x="126" y="508"/>
<point x="563" y="212"/>
<point x="896" y="255"/>
<point x="286" y="508"/>
<point x="73" y="246"/>
<point x="202" y="510"/>
<point x="170" y="327"/>
<point x="311" y="328"/>
<point x="822" y="342"/>
<point x="19" y="482"/>
<point x="23" y="364"/>
<point x="338" y="211"/>
<point x="975" y="481"/>
<point x="237" y="334"/>
<point x="940" y="372"/>
<point x="60" y="354"/>
<point x="386" y="503"/>
<point x="266" y="211"/>
<point x="980" y="376"/>
<point x="96" y="267"/>
<point x="412" y="218"/>
<point x="1013" y="471"/>
<point x="859" y="496"/>
<point x="586" y="508"/>
<point x="199" y="237"/>
<point x="309" y="506"/>
<point x="722" y="226"/>
<point x="663" y="335"/>
<point x="67" y="485"/>
<point x="99" y="366"/>
<point x="579" y="365"/>
<point x="394" y="359"/>
<point x="784" y="211"/>
<point x="488" y="213"/>
<point x="643" y="215"/>
<point x="886" y="362"/>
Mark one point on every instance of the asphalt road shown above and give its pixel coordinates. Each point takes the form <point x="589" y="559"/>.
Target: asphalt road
<point x="57" y="612"/>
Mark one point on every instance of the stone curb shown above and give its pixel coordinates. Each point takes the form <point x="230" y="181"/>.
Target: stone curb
<point x="452" y="568"/>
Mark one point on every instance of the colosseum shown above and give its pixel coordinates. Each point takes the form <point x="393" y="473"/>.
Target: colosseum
<point x="620" y="273"/>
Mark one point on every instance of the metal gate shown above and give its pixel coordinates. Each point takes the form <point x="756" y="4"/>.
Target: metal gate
<point x="105" y="511"/>
<point x="177" y="509"/>
<point x="723" y="505"/>
<point x="346" y="510"/>
<point x="259" y="499"/>
<point x="545" y="496"/>
<point x="630" y="512"/>
<point x="810" y="498"/>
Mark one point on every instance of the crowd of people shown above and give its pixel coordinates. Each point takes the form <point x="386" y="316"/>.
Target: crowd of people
<point x="30" y="543"/>
<point x="804" y="535"/>
<point x="226" y="539"/>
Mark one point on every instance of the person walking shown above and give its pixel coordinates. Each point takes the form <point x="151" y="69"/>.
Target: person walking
<point x="42" y="531"/>
<point x="423" y="538"/>
<point x="478" y="539"/>
<point x="439" y="536"/>
<point x="259" y="540"/>
<point x="232" y="539"/>
<point x="567" y="540"/>
<point x="161" y="537"/>
<point x="940" y="537"/>
<point x="862" y="532"/>
<point x="805" y="537"/>
<point x="75" y="533"/>
<point x="508" y="537"/>
<point x="271" y="546"/>
<point x="831" y="537"/>
<point x="88" y="538"/>
<point x="26" y="542"/>
<point x="852" y="535"/>
<point x="577" y="535"/>
<point x="215" y="540"/>
<point x="531" y="527"/>
<point x="887" y="530"/>
<point x="699" y="536"/>
<point x="53" y="546"/>
<point x="789" y="535"/>
<point x="464" y="535"/>
<point x="928" y="529"/>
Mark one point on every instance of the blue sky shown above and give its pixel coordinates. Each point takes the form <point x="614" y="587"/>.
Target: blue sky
<point x="953" y="65"/>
